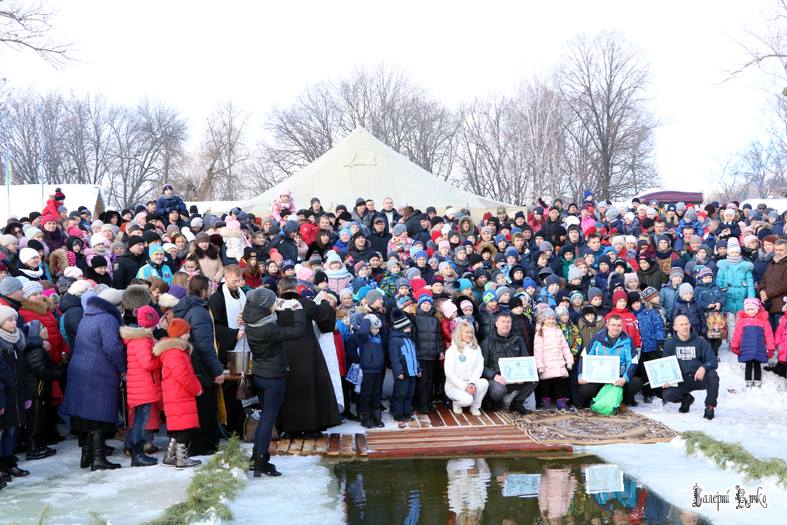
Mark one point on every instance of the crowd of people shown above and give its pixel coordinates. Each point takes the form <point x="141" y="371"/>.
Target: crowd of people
<point x="128" y="320"/>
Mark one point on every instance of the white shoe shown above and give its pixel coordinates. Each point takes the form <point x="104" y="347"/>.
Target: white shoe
<point x="475" y="412"/>
<point x="457" y="408"/>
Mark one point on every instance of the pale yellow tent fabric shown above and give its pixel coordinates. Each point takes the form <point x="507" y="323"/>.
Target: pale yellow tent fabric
<point x="362" y="166"/>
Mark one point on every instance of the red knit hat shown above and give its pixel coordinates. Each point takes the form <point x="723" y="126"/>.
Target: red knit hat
<point x="147" y="317"/>
<point x="618" y="295"/>
<point x="178" y="327"/>
<point x="59" y="195"/>
<point x="48" y="218"/>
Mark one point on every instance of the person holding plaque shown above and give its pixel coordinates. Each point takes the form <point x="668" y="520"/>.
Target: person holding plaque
<point x="503" y="342"/>
<point x="698" y="365"/>
<point x="612" y="341"/>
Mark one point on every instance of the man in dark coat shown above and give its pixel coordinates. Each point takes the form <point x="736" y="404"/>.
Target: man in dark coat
<point x="309" y="402"/>
<point x="503" y="342"/>
<point x="380" y="235"/>
<point x="127" y="265"/>
<point x="206" y="364"/>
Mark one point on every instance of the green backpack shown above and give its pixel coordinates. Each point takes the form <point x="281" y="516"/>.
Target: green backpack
<point x="607" y="400"/>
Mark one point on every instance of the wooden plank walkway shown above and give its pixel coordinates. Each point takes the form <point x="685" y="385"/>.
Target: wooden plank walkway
<point x="439" y="433"/>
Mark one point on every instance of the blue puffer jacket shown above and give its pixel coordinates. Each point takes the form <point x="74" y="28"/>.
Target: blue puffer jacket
<point x="737" y="281"/>
<point x="707" y="294"/>
<point x="97" y="361"/>
<point x="371" y="355"/>
<point x="404" y="359"/>
<point x="165" y="204"/>
<point x="691" y="310"/>
<point x="651" y="329"/>
<point x="622" y="347"/>
<point x="667" y="297"/>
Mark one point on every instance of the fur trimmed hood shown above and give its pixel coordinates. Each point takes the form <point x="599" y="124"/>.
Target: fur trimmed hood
<point x="135" y="332"/>
<point x="41" y="308"/>
<point x="168" y="344"/>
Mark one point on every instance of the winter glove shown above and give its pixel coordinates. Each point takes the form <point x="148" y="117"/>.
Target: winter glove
<point x="773" y="361"/>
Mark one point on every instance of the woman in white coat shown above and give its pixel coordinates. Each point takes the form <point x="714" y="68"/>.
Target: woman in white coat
<point x="464" y="363"/>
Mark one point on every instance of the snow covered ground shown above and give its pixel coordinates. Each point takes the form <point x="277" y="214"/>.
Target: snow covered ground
<point x="309" y="493"/>
<point x="754" y="417"/>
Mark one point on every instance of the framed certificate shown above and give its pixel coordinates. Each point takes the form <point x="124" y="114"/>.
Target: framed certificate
<point x="521" y="485"/>
<point x="518" y="369"/>
<point x="603" y="478"/>
<point x="663" y="371"/>
<point x="601" y="368"/>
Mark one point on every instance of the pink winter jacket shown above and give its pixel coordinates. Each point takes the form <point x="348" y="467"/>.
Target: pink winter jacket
<point x="781" y="339"/>
<point x="552" y="353"/>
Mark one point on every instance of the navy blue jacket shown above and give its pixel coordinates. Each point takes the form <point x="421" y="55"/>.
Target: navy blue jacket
<point x="371" y="355"/>
<point x="691" y="354"/>
<point x="404" y="359"/>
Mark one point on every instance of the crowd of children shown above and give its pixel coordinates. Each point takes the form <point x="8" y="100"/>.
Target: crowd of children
<point x="129" y="320"/>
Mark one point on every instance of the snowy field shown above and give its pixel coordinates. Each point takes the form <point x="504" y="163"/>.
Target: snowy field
<point x="756" y="418"/>
<point x="309" y="493"/>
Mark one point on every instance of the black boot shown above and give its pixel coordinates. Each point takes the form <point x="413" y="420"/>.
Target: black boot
<point x="686" y="404"/>
<point x="264" y="466"/>
<point x="5" y="477"/>
<point x="367" y="421"/>
<point x="13" y="470"/>
<point x="169" y="454"/>
<point x="139" y="459"/>
<point x="253" y="458"/>
<point x="40" y="453"/>
<point x="378" y="418"/>
<point x="99" y="453"/>
<point x="108" y="449"/>
<point x="87" y="456"/>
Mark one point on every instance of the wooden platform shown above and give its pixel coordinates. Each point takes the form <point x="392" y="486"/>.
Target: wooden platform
<point x="440" y="433"/>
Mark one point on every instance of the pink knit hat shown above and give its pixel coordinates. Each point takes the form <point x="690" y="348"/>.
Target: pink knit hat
<point x="752" y="303"/>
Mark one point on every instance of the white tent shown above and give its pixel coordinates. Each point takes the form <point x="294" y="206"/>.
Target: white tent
<point x="26" y="198"/>
<point x="362" y="166"/>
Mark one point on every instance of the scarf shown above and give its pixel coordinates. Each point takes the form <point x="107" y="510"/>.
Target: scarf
<point x="268" y="319"/>
<point x="11" y="337"/>
<point x="734" y="259"/>
<point x="32" y="274"/>
<point x="233" y="306"/>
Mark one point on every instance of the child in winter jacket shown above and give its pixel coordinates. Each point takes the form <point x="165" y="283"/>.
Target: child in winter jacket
<point x="620" y="302"/>
<point x="780" y="367"/>
<point x="42" y="372"/>
<point x="710" y="298"/>
<point x="735" y="276"/>
<point x="669" y="292"/>
<point x="405" y="367"/>
<point x="753" y="340"/>
<point x="15" y="392"/>
<point x="569" y="329"/>
<point x="339" y="277"/>
<point x="430" y="348"/>
<point x="371" y="357"/>
<point x="553" y="360"/>
<point x="651" y="331"/>
<point x="180" y="388"/>
<point x="143" y="379"/>
<point x="686" y="305"/>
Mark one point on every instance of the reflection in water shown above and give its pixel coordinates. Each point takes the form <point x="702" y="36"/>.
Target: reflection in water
<point x="510" y="491"/>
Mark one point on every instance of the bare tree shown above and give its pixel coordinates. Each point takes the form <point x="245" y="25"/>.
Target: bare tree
<point x="223" y="153"/>
<point x="384" y="101"/>
<point x="28" y="26"/>
<point x="603" y="81"/>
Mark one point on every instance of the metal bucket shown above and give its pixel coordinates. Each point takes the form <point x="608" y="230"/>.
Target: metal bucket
<point x="237" y="361"/>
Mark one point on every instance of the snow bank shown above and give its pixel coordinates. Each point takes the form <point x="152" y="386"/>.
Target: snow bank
<point x="126" y="495"/>
<point x="754" y="417"/>
<point x="306" y="493"/>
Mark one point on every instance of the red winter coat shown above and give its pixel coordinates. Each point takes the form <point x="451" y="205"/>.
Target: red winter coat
<point x="179" y="384"/>
<point x="143" y="375"/>
<point x="630" y="324"/>
<point x="40" y="311"/>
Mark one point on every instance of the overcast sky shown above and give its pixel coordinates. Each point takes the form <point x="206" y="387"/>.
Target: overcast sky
<point x="194" y="54"/>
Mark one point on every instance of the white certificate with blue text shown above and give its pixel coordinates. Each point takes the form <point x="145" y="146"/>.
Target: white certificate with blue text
<point x="518" y="369"/>
<point x="601" y="368"/>
<point x="664" y="371"/>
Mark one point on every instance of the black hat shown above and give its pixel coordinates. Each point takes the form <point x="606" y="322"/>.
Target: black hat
<point x="399" y="319"/>
<point x="150" y="236"/>
<point x="135" y="239"/>
<point x="98" y="261"/>
<point x="34" y="244"/>
<point x="431" y="209"/>
<point x="514" y="302"/>
<point x="436" y="220"/>
<point x="320" y="277"/>
<point x="360" y="201"/>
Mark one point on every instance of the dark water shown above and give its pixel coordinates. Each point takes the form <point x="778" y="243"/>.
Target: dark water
<point x="509" y="491"/>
